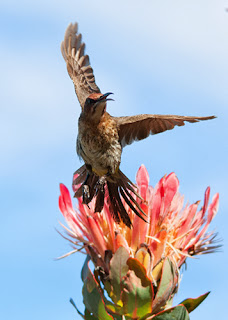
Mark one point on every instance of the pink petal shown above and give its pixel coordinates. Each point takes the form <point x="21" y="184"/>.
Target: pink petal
<point x="65" y="195"/>
<point x="62" y="206"/>
<point x="120" y="241"/>
<point x="186" y="224"/>
<point x="158" y="248"/>
<point x="110" y="220"/>
<point x="212" y="210"/>
<point x="171" y="185"/>
<point x="140" y="229"/>
<point x="97" y="236"/>
<point x="206" y="199"/>
<point x="213" y="207"/>
<point x="65" y="206"/>
<point x="142" y="179"/>
<point x="155" y="207"/>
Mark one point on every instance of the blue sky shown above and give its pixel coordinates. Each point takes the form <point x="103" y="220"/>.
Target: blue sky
<point x="167" y="57"/>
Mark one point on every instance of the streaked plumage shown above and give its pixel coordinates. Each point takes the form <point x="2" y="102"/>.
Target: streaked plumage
<point x="101" y="137"/>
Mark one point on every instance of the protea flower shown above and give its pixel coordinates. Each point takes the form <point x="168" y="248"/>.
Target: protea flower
<point x="137" y="270"/>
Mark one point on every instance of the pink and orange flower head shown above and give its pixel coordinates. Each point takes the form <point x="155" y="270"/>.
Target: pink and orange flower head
<point x="149" y="250"/>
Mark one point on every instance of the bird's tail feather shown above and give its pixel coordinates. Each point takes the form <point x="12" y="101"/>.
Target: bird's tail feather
<point x="99" y="204"/>
<point x="117" y="187"/>
<point x="79" y="175"/>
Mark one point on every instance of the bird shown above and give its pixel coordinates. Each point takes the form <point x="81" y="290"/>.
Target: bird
<point x="102" y="137"/>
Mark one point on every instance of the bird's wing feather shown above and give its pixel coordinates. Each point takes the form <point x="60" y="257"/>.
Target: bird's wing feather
<point x="139" y="127"/>
<point x="78" y="65"/>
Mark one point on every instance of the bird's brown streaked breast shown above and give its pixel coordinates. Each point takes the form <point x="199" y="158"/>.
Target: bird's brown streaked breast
<point x="99" y="146"/>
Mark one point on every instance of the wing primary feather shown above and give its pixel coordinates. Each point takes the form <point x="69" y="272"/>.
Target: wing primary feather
<point x="72" y="50"/>
<point x="139" y="127"/>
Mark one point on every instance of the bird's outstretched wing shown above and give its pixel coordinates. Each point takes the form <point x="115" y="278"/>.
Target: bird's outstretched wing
<point x="78" y="65"/>
<point x="139" y="127"/>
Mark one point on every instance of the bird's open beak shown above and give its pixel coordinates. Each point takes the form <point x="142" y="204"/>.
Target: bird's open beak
<point x="104" y="97"/>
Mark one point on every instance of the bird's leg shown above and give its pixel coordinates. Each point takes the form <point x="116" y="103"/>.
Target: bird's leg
<point x="101" y="182"/>
<point x="85" y="190"/>
<point x="85" y="187"/>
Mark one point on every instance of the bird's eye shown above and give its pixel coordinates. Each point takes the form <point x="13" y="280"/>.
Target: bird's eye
<point x="89" y="101"/>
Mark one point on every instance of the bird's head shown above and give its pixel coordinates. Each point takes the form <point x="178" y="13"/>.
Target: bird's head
<point x="95" y="105"/>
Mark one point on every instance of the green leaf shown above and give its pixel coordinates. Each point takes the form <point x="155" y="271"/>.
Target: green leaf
<point x="85" y="268"/>
<point x="137" y="293"/>
<point x="176" y="313"/>
<point x="89" y="316"/>
<point x="118" y="269"/>
<point x="190" y="303"/>
<point x="167" y="284"/>
<point x="92" y="298"/>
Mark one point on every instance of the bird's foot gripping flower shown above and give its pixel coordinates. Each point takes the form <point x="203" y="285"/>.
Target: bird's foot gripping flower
<point x="136" y="271"/>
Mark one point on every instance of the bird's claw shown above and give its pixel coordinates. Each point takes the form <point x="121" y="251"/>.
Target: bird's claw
<point x="85" y="194"/>
<point x="100" y="184"/>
